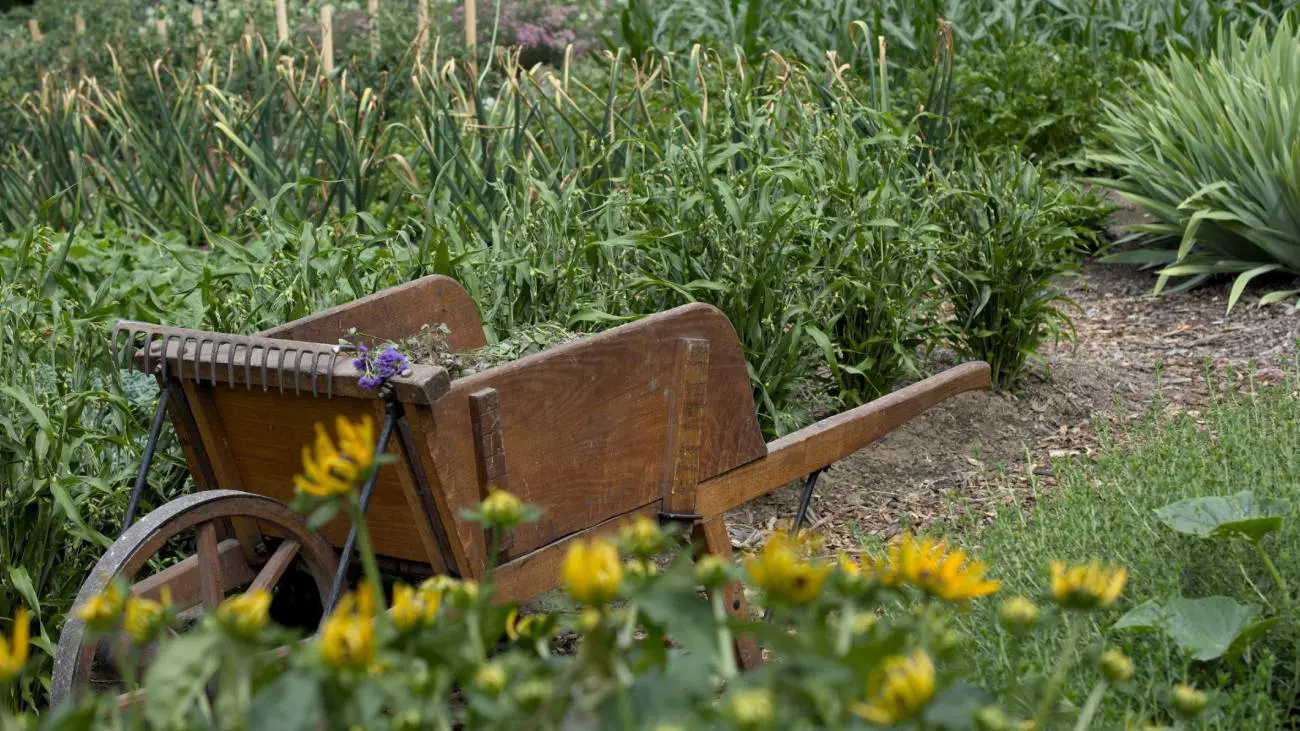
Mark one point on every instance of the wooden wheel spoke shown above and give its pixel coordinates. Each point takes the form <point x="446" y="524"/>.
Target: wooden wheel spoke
<point x="211" y="590"/>
<point x="276" y="566"/>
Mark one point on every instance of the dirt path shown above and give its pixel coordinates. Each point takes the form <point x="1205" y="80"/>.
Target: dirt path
<point x="978" y="450"/>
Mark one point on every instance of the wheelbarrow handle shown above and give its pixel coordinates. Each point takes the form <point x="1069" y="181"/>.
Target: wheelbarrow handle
<point x="819" y="445"/>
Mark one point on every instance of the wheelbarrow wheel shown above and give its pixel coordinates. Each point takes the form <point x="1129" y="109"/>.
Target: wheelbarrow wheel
<point x="241" y="542"/>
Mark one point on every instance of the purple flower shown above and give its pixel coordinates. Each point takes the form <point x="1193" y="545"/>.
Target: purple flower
<point x="375" y="372"/>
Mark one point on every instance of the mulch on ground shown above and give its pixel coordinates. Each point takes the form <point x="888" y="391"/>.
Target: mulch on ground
<point x="980" y="450"/>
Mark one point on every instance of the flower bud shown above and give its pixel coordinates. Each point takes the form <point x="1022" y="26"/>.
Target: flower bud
<point x="1019" y="615"/>
<point x="711" y="571"/>
<point x="991" y="718"/>
<point x="752" y="708"/>
<point x="1188" y="701"/>
<point x="642" y="537"/>
<point x="1115" y="666"/>
<point x="501" y="510"/>
<point x="490" y="678"/>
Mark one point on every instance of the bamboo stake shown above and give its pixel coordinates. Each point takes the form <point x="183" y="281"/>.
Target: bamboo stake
<point x="422" y="34"/>
<point x="327" y="39"/>
<point x="373" y="7"/>
<point x="196" y="16"/>
<point x="35" y="29"/>
<point x="162" y="29"/>
<point x="79" y="24"/>
<point x="281" y="22"/>
<point x="471" y="25"/>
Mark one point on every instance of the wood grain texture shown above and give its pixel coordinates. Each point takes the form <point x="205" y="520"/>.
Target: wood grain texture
<point x="834" y="438"/>
<point x="182" y="579"/>
<point x="586" y="425"/>
<point x="266" y="432"/>
<point x="710" y="536"/>
<point x="686" y="424"/>
<point x="533" y="573"/>
<point x="395" y="314"/>
<point x="490" y="454"/>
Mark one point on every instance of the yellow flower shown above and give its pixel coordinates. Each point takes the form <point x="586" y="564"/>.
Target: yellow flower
<point x="1018" y="614"/>
<point x="642" y="537"/>
<point x="491" y="678"/>
<point x="143" y="618"/>
<point x="781" y="570"/>
<point x="930" y="566"/>
<point x="1115" y="666"/>
<point x="347" y="639"/>
<point x="711" y="571"/>
<point x="592" y="572"/>
<point x="1086" y="586"/>
<point x="244" y="615"/>
<point x="330" y="471"/>
<point x="501" y="509"/>
<point x="898" y="690"/>
<point x="1188" y="701"/>
<point x="13" y="654"/>
<point x="414" y="607"/>
<point x="103" y="611"/>
<point x="752" y="708"/>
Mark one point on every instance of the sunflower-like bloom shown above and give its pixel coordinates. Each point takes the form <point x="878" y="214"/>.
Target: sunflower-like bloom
<point x="592" y="572"/>
<point x="246" y="614"/>
<point x="13" y="653"/>
<point x="333" y="471"/>
<point x="782" y="570"/>
<point x="898" y="689"/>
<point x="414" y="607"/>
<point x="347" y="639"/>
<point x="102" y="612"/>
<point x="144" y="618"/>
<point x="935" y="569"/>
<point x="1086" y="586"/>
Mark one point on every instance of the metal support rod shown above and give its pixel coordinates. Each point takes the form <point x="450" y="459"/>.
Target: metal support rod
<point x="345" y="560"/>
<point x="151" y="446"/>
<point x="809" y="484"/>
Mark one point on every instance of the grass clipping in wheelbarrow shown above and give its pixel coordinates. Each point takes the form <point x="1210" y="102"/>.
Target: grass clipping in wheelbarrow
<point x="429" y="347"/>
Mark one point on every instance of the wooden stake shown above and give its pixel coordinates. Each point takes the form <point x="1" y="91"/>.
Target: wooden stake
<point x="373" y="7"/>
<point x="422" y="34"/>
<point x="79" y="24"/>
<point x="281" y="22"/>
<point x="471" y="25"/>
<point x="35" y="28"/>
<point x="162" y="29"/>
<point x="327" y="39"/>
<point x="196" y="15"/>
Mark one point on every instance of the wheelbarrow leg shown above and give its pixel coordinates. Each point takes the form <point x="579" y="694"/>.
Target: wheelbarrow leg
<point x="710" y="536"/>
<point x="809" y="484"/>
<point x="341" y="575"/>
<point x="146" y="459"/>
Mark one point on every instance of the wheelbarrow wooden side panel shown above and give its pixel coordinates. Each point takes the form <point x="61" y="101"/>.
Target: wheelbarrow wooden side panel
<point x="587" y="426"/>
<point x="395" y="314"/>
<point x="787" y="459"/>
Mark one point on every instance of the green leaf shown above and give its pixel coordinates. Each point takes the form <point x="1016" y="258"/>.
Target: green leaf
<point x="292" y="702"/>
<point x="1204" y="628"/>
<point x="22" y="581"/>
<point x="955" y="707"/>
<point x="178" y="677"/>
<point x="1237" y="516"/>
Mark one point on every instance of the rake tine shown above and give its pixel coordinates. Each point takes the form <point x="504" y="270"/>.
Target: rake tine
<point x="114" y="349"/>
<point x="315" y="371"/>
<point x="266" y="356"/>
<point x="185" y="347"/>
<point x="248" y="367"/>
<point x="230" y="362"/>
<point x="297" y="372"/>
<point x="279" y="369"/>
<point x="167" y="344"/>
<point x="329" y="377"/>
<point x="134" y="333"/>
<point x="198" y="361"/>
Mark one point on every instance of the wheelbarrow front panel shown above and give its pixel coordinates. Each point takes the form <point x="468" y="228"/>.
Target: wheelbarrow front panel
<point x="263" y="434"/>
<point x="586" y="427"/>
<point x="393" y="315"/>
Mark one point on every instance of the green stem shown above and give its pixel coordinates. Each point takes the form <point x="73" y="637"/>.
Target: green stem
<point x="369" y="564"/>
<point x="726" y="645"/>
<point x="1053" y="689"/>
<point x="1277" y="576"/>
<point x="1091" y="706"/>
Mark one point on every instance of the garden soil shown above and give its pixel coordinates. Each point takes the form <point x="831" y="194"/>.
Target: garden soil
<point x="981" y="450"/>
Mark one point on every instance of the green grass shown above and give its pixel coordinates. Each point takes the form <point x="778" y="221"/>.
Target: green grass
<point x="1103" y="508"/>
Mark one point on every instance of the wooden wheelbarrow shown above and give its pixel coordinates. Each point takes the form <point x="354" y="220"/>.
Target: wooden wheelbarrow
<point x="652" y="418"/>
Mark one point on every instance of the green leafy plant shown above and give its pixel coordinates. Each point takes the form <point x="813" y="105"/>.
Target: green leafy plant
<point x="1207" y="148"/>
